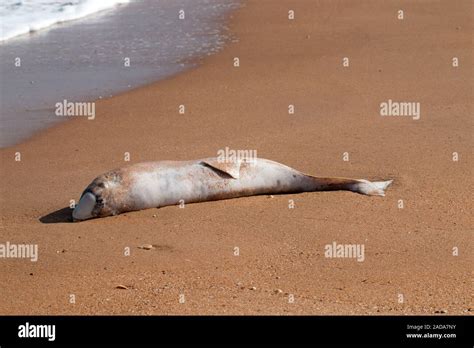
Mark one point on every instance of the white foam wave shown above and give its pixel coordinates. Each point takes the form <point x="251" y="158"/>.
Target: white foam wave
<point x="20" y="17"/>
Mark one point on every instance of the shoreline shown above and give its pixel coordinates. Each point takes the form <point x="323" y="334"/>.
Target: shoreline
<point x="103" y="55"/>
<point x="408" y="251"/>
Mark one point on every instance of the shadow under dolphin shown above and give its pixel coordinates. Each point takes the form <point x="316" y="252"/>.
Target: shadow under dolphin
<point x="59" y="216"/>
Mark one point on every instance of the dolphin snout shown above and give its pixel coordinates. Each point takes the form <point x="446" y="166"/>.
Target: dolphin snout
<point x="83" y="209"/>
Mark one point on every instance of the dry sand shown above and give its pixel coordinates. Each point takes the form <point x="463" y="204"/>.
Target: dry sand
<point x="408" y="251"/>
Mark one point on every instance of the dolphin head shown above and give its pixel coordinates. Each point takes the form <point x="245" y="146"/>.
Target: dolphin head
<point x="99" y="199"/>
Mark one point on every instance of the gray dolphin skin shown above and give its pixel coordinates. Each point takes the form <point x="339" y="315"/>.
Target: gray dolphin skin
<point x="158" y="184"/>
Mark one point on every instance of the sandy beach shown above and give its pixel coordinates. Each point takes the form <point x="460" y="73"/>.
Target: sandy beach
<point x="418" y="238"/>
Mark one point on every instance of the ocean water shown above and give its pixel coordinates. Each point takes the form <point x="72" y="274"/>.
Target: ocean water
<point x="85" y="59"/>
<point x="24" y="16"/>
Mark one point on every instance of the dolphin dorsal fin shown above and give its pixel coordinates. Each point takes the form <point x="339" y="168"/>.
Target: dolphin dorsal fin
<point x="231" y="168"/>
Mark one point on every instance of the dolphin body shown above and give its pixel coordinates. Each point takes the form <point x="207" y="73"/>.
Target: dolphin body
<point x="158" y="184"/>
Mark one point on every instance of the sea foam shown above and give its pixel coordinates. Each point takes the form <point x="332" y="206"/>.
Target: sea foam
<point x="20" y="17"/>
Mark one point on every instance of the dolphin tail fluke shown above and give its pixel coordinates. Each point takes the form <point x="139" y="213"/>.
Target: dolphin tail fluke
<point x="374" y="188"/>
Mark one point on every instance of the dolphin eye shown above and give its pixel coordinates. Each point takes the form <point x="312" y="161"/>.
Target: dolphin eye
<point x="99" y="202"/>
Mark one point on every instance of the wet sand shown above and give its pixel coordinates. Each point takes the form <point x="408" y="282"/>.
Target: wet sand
<point x="409" y="266"/>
